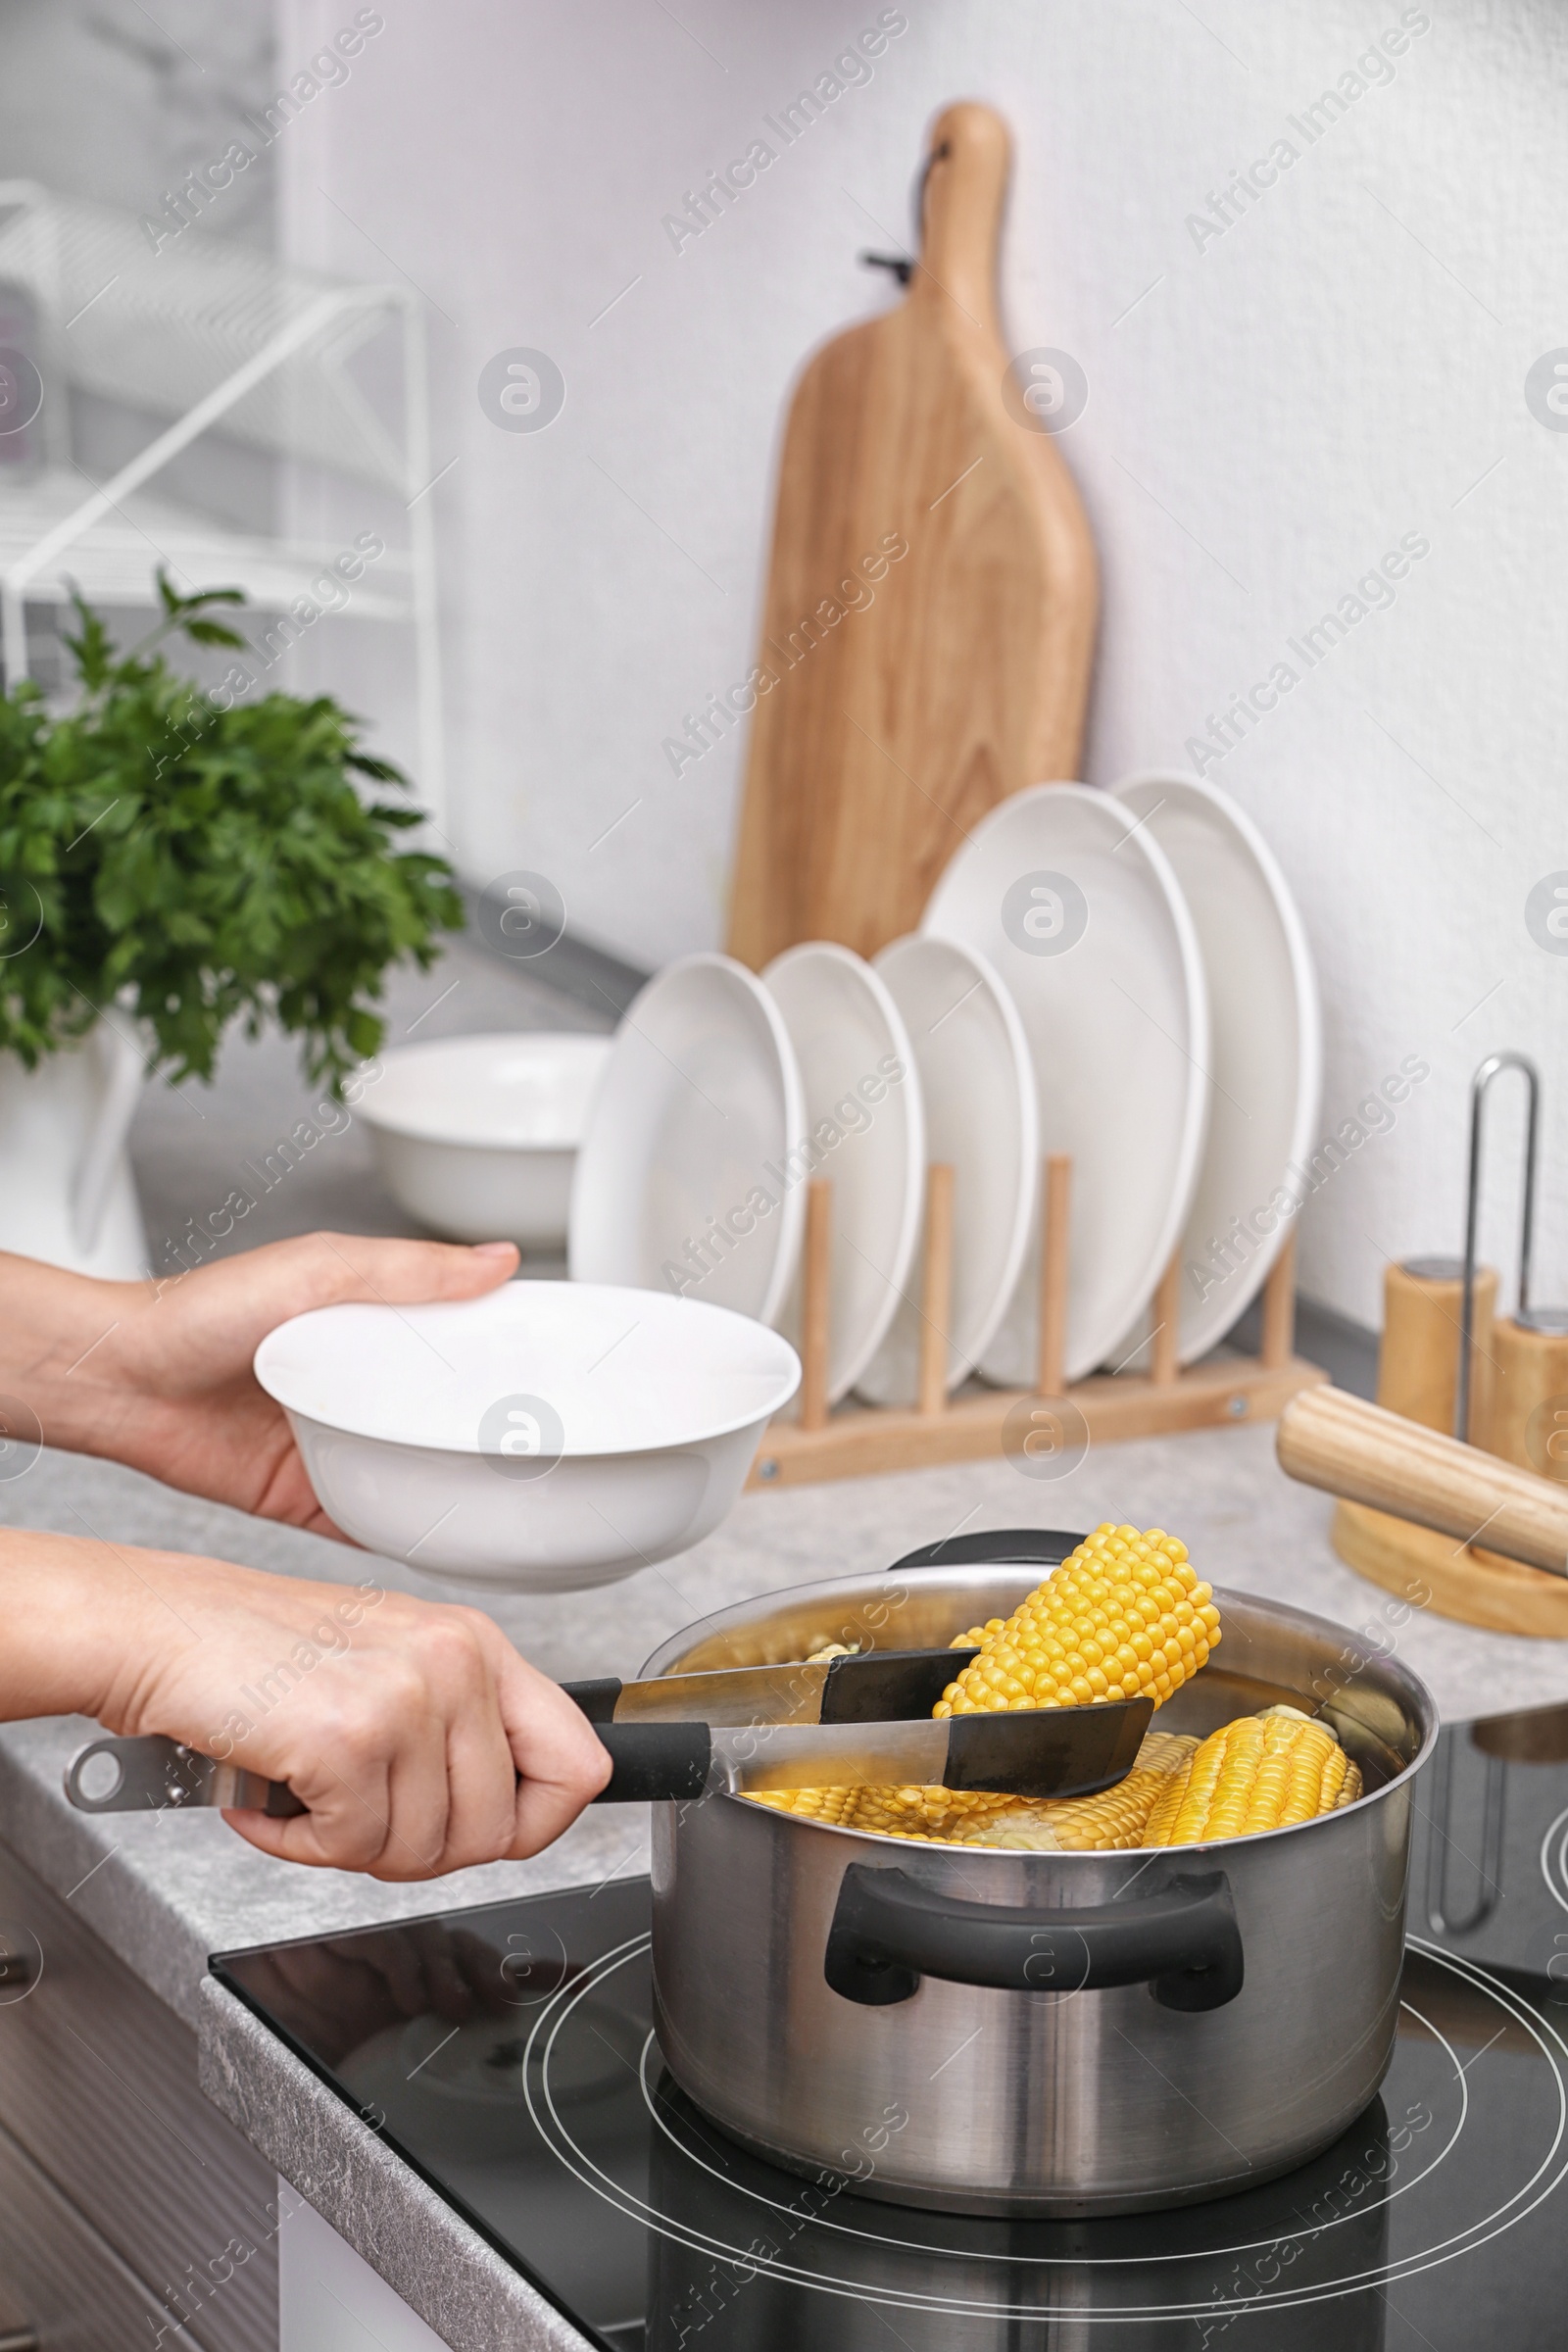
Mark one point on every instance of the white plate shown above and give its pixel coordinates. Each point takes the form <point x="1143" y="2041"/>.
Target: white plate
<point x="550" y="1436"/>
<point x="977" y="1088"/>
<point x="1266" y="1053"/>
<point x="680" y="1183"/>
<point x="862" y="1128"/>
<point x="1084" y="919"/>
<point x="478" y="1136"/>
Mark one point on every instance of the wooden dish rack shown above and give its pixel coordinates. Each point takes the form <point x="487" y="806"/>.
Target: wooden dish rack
<point x="858" y="1440"/>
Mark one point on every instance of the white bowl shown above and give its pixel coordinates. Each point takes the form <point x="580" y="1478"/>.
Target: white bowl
<point x="478" y="1136"/>
<point x="550" y="1436"/>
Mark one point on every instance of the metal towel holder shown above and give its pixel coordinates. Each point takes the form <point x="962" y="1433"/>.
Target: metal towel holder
<point x="1492" y="1067"/>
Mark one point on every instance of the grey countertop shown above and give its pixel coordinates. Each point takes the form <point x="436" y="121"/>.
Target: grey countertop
<point x="166" y="1892"/>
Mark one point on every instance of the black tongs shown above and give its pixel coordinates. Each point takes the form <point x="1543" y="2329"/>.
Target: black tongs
<point x="831" y="1723"/>
<point x="862" y="1717"/>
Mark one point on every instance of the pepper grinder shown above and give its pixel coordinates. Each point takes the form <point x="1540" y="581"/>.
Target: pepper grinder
<point x="1419" y="1359"/>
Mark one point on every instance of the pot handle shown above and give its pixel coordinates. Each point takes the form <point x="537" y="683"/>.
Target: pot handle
<point x="992" y="1546"/>
<point x="889" y="1931"/>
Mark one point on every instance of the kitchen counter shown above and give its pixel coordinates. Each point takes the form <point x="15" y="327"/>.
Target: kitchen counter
<point x="165" y="1892"/>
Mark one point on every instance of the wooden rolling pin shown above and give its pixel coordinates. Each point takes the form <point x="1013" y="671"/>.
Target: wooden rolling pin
<point x="1364" y="1454"/>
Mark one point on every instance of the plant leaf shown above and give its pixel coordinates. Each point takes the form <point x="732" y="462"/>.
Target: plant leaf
<point x="215" y="632"/>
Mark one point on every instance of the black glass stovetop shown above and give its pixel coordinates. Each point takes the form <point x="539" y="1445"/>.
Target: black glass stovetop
<point x="508" y="2054"/>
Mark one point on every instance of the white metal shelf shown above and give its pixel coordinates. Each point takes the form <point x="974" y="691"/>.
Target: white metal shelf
<point x="207" y="334"/>
<point x="109" y="562"/>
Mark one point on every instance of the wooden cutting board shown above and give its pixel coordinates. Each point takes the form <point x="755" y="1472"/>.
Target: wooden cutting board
<point x="930" y="614"/>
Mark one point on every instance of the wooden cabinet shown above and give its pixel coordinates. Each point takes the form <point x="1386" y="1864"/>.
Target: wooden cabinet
<point x="127" y="2203"/>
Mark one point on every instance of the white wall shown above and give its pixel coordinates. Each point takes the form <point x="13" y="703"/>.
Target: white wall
<point x="98" y="100"/>
<point x="1342" y="366"/>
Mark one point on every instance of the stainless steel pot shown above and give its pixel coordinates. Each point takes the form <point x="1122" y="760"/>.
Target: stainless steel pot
<point x="991" y="2031"/>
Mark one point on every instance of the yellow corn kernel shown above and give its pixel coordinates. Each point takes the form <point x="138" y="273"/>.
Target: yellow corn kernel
<point x="977" y="1634"/>
<point x="813" y="1804"/>
<point x="1258" y="1772"/>
<point x="1124" y="1614"/>
<point x="1164" y="1752"/>
<point x="933" y="1812"/>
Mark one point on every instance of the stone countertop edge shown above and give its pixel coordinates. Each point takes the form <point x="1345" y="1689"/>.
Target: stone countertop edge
<point x="424" y="2249"/>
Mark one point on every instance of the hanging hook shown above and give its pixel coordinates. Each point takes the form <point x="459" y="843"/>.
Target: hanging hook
<point x="1492" y="1068"/>
<point x="899" y="264"/>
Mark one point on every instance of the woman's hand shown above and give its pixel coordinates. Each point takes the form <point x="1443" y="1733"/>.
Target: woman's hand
<point x="158" y="1375"/>
<point x="419" y="1740"/>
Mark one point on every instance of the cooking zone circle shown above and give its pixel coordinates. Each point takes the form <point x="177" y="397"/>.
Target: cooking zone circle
<point x="1555" y="1872"/>
<point x="1429" y="2092"/>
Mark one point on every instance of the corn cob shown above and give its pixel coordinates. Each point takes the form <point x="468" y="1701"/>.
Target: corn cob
<point x="1123" y="1614"/>
<point x="1259" y="1773"/>
<point x="1109" y="1822"/>
<point x="908" y="1812"/>
<point x="1113" y="1819"/>
<point x="1262" y="1772"/>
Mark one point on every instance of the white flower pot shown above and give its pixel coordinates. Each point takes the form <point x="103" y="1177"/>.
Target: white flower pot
<point x="66" y="1192"/>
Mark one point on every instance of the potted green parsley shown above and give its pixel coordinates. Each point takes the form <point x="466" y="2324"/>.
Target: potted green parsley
<point x="169" y="868"/>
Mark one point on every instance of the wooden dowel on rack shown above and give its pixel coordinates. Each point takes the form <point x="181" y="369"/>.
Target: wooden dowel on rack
<point x="817" y="1285"/>
<point x="1279" y="1311"/>
<point x="936" y="1288"/>
<point x="1055" y="1227"/>
<point x="1167" y="1322"/>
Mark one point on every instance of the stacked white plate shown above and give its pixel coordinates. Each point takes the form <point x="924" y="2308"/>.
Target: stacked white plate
<point x="971" y="1059"/>
<point x="1265" y="1061"/>
<point x="1084" y="920"/>
<point x="723" y="1095"/>
<point x="1118" y="976"/>
<point x="684" y="1177"/>
<point x="1164" y="982"/>
<point x="864" y="1128"/>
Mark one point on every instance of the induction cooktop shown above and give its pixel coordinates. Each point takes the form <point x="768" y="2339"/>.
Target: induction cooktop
<point x="508" y="2054"/>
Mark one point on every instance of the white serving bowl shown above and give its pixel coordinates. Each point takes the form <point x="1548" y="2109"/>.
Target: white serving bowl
<point x="550" y="1436"/>
<point x="478" y="1136"/>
